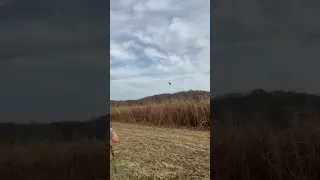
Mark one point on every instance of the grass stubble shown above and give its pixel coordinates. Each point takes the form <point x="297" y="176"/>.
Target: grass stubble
<point x="162" y="140"/>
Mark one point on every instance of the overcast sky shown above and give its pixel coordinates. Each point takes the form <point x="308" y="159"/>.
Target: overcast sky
<point x="54" y="54"/>
<point x="270" y="44"/>
<point x="153" y="42"/>
<point x="53" y="59"/>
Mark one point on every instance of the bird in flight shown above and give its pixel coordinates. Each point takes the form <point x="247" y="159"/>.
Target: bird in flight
<point x="169" y="83"/>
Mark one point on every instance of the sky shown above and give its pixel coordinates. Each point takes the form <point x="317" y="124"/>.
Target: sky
<point x="274" y="45"/>
<point x="55" y="65"/>
<point x="154" y="42"/>
<point x="53" y="60"/>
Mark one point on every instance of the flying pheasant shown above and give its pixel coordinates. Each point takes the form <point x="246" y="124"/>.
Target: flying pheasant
<point x="169" y="83"/>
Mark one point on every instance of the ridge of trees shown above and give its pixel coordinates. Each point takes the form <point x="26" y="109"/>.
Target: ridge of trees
<point x="193" y="94"/>
<point x="277" y="110"/>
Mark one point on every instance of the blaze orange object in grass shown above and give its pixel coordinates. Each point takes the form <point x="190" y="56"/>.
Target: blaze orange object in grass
<point x="113" y="136"/>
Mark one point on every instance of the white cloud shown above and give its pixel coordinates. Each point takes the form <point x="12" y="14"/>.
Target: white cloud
<point x="153" y="53"/>
<point x="153" y="42"/>
<point x="120" y="52"/>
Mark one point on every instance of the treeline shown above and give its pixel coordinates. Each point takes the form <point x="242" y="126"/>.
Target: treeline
<point x="161" y="98"/>
<point x="57" y="131"/>
<point x="277" y="110"/>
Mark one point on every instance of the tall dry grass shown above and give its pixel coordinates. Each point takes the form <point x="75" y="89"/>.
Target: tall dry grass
<point x="258" y="153"/>
<point x="171" y="113"/>
<point x="54" y="161"/>
<point x="246" y="153"/>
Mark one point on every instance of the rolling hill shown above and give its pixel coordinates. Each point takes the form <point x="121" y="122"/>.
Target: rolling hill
<point x="196" y="95"/>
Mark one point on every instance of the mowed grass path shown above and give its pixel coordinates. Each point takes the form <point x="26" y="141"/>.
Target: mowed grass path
<point x="160" y="153"/>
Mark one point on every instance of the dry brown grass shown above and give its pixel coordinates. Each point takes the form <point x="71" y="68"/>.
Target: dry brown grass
<point x="247" y="153"/>
<point x="143" y="153"/>
<point x="57" y="161"/>
<point x="171" y="147"/>
<point x="160" y="153"/>
<point x="172" y="113"/>
<point x="150" y="152"/>
<point x="256" y="153"/>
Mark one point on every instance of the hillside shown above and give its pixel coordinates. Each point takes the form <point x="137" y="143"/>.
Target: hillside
<point x="195" y="95"/>
<point x="277" y="109"/>
<point x="56" y="131"/>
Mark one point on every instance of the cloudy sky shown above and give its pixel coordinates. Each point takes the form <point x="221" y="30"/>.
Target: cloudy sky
<point x="54" y="55"/>
<point x="154" y="42"/>
<point x="53" y="59"/>
<point x="271" y="44"/>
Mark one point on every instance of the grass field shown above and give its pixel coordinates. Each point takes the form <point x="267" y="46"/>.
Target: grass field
<point x="144" y="152"/>
<point x="175" y="113"/>
<point x="160" y="153"/>
<point x="171" y="141"/>
<point x="83" y="160"/>
<point x="168" y="140"/>
<point x="250" y="152"/>
<point x="256" y="153"/>
<point x="157" y="141"/>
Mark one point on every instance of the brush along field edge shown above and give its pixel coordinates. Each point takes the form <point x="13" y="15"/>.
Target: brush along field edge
<point x="170" y="113"/>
